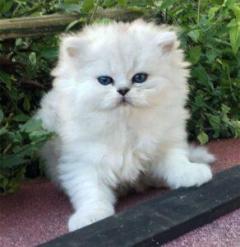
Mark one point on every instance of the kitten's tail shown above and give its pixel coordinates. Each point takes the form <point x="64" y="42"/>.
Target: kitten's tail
<point x="200" y="155"/>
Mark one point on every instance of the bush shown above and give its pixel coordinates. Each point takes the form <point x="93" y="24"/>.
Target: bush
<point x="210" y="35"/>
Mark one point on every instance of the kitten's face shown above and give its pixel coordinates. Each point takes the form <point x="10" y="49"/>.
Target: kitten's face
<point x="120" y="65"/>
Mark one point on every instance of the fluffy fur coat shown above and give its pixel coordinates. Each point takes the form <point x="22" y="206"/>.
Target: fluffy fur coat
<point x="106" y="139"/>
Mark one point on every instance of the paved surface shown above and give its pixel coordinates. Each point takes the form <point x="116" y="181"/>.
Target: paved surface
<point x="39" y="211"/>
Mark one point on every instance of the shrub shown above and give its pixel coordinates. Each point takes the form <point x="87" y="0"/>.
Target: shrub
<point x="210" y="35"/>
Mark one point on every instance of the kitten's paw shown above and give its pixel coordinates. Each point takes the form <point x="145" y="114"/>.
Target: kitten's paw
<point x="84" y="218"/>
<point x="191" y="174"/>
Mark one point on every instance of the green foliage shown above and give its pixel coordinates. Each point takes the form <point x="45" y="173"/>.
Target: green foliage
<point x="209" y="33"/>
<point x="24" y="76"/>
<point x="21" y="148"/>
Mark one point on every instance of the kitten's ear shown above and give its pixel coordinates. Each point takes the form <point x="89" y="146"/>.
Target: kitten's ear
<point x="73" y="45"/>
<point x="167" y="41"/>
<point x="71" y="48"/>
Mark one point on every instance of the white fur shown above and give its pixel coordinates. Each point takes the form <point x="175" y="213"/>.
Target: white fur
<point x="101" y="143"/>
<point x="200" y="154"/>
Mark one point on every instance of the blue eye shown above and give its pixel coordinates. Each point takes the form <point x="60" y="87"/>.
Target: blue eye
<point x="139" y="78"/>
<point x="105" y="80"/>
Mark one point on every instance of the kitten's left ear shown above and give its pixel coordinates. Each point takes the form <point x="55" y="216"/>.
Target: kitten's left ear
<point x="167" y="41"/>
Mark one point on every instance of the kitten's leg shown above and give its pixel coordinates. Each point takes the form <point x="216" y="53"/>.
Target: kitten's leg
<point x="91" y="198"/>
<point x="178" y="171"/>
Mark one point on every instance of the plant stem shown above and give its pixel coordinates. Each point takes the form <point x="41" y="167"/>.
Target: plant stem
<point x="198" y="11"/>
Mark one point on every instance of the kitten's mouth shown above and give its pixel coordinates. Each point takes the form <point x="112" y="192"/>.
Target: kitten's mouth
<point x="124" y="102"/>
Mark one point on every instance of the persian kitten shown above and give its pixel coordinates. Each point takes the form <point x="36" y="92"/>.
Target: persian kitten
<point x="117" y="108"/>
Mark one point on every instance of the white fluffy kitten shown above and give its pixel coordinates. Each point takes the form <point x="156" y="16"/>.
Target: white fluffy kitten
<point x="117" y="107"/>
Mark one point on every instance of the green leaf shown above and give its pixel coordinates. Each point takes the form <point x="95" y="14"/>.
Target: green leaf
<point x="3" y="131"/>
<point x="234" y="35"/>
<point x="2" y="2"/>
<point x="194" y="35"/>
<point x="108" y="3"/>
<point x="71" y="1"/>
<point x="202" y="137"/>
<point x="194" y="54"/>
<point x="39" y="135"/>
<point x="87" y="5"/>
<point x="32" y="125"/>
<point x="225" y="109"/>
<point x="236" y="127"/>
<point x="211" y="55"/>
<point x="166" y="4"/>
<point x="21" y="117"/>
<point x="7" y="6"/>
<point x="212" y="11"/>
<point x="236" y="10"/>
<point x="33" y="58"/>
<point x="202" y="76"/>
<point x="6" y="78"/>
<point x="215" y="122"/>
<point x="26" y="104"/>
<point x="228" y="3"/>
<point x="11" y="161"/>
<point x="1" y="115"/>
<point x="49" y="53"/>
<point x="122" y="3"/>
<point x="18" y="41"/>
<point x="71" y="7"/>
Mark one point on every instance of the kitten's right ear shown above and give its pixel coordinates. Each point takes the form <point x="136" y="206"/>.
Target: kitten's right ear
<point x="73" y="45"/>
<point x="71" y="48"/>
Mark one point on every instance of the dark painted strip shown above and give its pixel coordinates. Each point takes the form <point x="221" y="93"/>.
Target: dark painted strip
<point x="163" y="218"/>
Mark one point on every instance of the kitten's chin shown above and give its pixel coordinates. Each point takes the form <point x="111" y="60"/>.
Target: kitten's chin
<point x="123" y="104"/>
<point x="136" y="103"/>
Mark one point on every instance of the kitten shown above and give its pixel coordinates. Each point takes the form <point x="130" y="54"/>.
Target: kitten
<point x="117" y="107"/>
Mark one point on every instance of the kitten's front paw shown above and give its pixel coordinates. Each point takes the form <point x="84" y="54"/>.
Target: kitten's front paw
<point x="191" y="174"/>
<point x="83" y="218"/>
